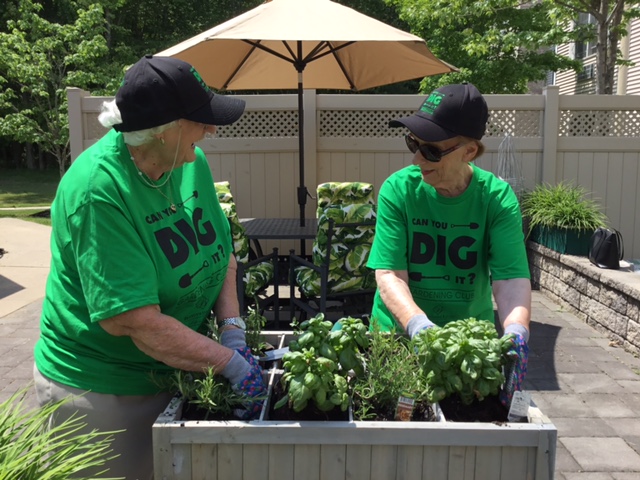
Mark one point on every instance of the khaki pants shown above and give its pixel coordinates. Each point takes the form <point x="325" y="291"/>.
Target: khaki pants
<point x="133" y="413"/>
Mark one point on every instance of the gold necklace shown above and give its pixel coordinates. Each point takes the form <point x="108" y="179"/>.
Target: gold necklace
<point x="147" y="180"/>
<point x="142" y="176"/>
<point x="172" y="205"/>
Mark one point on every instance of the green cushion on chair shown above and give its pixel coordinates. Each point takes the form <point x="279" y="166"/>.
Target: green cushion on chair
<point x="341" y="193"/>
<point x="350" y="247"/>
<point x="238" y="235"/>
<point x="258" y="276"/>
<point x="223" y="189"/>
<point x="255" y="278"/>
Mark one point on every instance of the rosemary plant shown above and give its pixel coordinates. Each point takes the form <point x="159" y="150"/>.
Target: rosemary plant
<point x="392" y="371"/>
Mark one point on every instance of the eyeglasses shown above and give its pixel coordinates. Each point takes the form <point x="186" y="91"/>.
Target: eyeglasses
<point x="429" y="152"/>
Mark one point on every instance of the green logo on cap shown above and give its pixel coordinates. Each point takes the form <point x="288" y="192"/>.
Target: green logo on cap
<point x="431" y="103"/>
<point x="199" y="78"/>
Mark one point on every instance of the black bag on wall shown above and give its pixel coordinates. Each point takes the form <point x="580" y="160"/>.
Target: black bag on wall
<point x="606" y="248"/>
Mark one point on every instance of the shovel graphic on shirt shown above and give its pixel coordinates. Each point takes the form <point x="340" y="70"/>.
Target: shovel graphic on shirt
<point x="194" y="195"/>
<point x="186" y="279"/>
<point x="472" y="225"/>
<point x="418" y="277"/>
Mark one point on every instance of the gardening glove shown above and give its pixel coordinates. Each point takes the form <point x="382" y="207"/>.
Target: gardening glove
<point x="417" y="323"/>
<point x="245" y="376"/>
<point x="233" y="338"/>
<point x="516" y="368"/>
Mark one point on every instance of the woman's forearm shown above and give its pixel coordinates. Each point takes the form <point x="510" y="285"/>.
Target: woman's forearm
<point x="227" y="304"/>
<point x="167" y="340"/>
<point x="395" y="294"/>
<point x="513" y="298"/>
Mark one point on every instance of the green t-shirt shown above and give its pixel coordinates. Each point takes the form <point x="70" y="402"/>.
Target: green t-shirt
<point x="451" y="247"/>
<point x="116" y="245"/>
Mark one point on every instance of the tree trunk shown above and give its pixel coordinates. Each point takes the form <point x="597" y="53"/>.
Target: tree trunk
<point x="607" y="47"/>
<point x="16" y="154"/>
<point x="612" y="46"/>
<point x="42" y="163"/>
<point x="602" y="47"/>
<point x="61" y="154"/>
<point x="31" y="160"/>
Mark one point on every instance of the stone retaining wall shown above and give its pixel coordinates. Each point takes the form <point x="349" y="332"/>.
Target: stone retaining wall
<point x="608" y="300"/>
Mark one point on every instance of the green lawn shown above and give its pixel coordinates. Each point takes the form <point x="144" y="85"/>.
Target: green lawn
<point x="27" y="189"/>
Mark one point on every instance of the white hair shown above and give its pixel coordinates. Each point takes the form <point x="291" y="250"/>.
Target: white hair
<point x="110" y="116"/>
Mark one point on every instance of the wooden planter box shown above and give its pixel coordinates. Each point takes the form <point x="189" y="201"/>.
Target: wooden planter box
<point x="285" y="450"/>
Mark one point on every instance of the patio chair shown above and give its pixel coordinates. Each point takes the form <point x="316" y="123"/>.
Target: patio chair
<point x="343" y="193"/>
<point x="255" y="274"/>
<point x="337" y="279"/>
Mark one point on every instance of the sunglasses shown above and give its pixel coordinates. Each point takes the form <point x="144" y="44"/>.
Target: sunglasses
<point x="429" y="152"/>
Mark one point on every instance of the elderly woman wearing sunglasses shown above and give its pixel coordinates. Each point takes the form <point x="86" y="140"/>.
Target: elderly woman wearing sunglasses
<point x="449" y="234"/>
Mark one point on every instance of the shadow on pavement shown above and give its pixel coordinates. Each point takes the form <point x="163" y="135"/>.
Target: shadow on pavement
<point x="541" y="370"/>
<point x="8" y="287"/>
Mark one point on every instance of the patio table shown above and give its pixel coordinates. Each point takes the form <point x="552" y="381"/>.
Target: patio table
<point x="258" y="229"/>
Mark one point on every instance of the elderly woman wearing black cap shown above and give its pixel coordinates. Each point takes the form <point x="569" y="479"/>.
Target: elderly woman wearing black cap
<point x="141" y="254"/>
<point x="448" y="233"/>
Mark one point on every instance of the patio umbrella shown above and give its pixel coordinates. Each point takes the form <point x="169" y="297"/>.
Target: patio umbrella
<point x="336" y="47"/>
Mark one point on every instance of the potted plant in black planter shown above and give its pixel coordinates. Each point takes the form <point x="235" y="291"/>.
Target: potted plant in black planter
<point x="561" y="217"/>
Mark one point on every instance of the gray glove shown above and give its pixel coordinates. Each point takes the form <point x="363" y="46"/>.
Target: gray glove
<point x="233" y="338"/>
<point x="417" y="323"/>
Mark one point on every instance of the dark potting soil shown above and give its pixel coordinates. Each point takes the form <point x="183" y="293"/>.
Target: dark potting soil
<point x="488" y="410"/>
<point x="310" y="413"/>
<point x="422" y="412"/>
<point x="193" y="412"/>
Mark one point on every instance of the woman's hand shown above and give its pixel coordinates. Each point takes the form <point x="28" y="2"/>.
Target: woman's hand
<point x="245" y="376"/>
<point x="516" y="368"/>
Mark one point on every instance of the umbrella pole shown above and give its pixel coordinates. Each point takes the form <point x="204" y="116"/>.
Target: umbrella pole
<point x="302" y="188"/>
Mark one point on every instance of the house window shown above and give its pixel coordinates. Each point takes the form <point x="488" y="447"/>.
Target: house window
<point x="586" y="47"/>
<point x="551" y="78"/>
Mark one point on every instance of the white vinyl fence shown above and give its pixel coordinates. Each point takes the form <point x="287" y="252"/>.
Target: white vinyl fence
<point x="589" y="140"/>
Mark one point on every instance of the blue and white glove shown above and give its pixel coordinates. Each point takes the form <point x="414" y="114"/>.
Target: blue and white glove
<point x="245" y="376"/>
<point x="517" y="358"/>
<point x="417" y="323"/>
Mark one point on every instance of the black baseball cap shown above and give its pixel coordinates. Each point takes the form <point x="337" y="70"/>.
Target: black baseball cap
<point x="159" y="90"/>
<point x="449" y="111"/>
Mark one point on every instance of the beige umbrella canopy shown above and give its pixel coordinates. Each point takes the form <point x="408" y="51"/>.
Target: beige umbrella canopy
<point x="335" y="47"/>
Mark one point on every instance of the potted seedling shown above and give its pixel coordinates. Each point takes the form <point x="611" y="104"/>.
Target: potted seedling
<point x="463" y="364"/>
<point x="318" y="367"/>
<point x="561" y="217"/>
<point x="394" y="387"/>
<point x="208" y="396"/>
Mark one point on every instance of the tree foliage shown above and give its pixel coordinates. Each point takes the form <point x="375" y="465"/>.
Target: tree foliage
<point x="38" y="60"/>
<point x="611" y="20"/>
<point x="49" y="45"/>
<point x="499" y="45"/>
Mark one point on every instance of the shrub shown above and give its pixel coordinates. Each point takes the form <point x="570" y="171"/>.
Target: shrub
<point x="562" y="206"/>
<point x="31" y="450"/>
